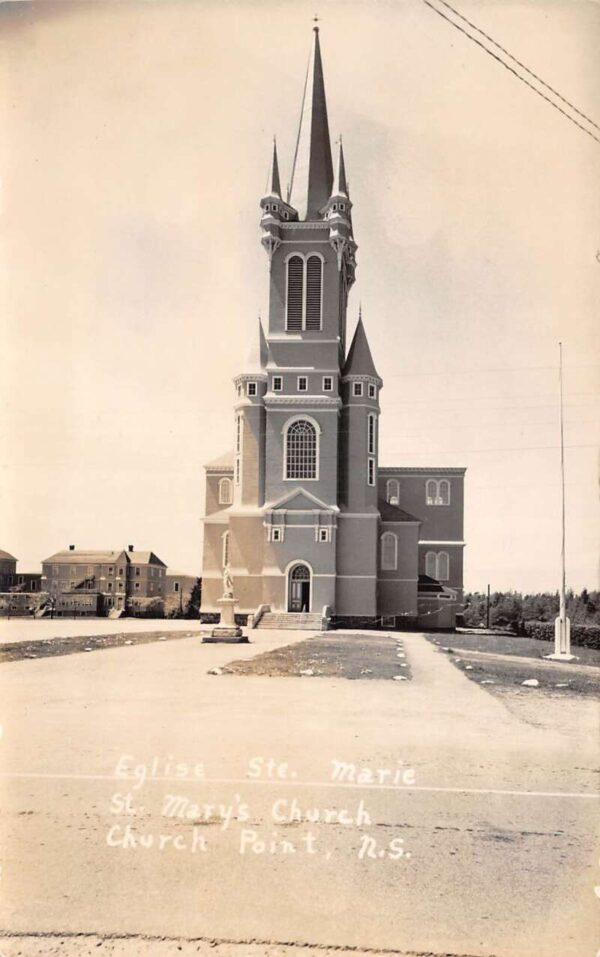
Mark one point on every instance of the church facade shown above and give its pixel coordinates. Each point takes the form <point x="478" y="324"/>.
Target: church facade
<point x="300" y="511"/>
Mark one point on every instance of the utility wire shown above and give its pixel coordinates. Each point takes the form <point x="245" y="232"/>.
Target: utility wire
<point x="511" y="70"/>
<point x="522" y="65"/>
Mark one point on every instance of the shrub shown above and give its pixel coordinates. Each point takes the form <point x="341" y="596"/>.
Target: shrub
<point x="585" y="636"/>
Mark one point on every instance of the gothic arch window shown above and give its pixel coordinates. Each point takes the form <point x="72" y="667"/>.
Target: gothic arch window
<point x="301" y="450"/>
<point x="393" y="491"/>
<point x="437" y="492"/>
<point x="225" y="553"/>
<point x="389" y="552"/>
<point x="225" y="492"/>
<point x="304" y="293"/>
<point x="430" y="564"/>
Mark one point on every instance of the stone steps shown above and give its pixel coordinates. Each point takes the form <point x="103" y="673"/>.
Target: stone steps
<point x="302" y="621"/>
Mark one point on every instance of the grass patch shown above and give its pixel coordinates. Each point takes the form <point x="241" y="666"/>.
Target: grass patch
<point x="331" y="655"/>
<point x="71" y="645"/>
<point x="509" y="645"/>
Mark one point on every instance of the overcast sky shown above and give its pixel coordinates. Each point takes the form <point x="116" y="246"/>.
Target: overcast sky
<point x="135" y="148"/>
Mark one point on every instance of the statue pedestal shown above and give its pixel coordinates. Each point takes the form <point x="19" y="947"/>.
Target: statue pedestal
<point x="226" y="630"/>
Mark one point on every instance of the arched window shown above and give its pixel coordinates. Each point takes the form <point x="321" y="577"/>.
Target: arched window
<point x="371" y="434"/>
<point x="443" y="492"/>
<point x="225" y="555"/>
<point x="431" y="493"/>
<point x="301" y="451"/>
<point x="389" y="552"/>
<point x="443" y="567"/>
<point x="304" y="293"/>
<point x="393" y="491"/>
<point x="225" y="492"/>
<point x="314" y="269"/>
<point x="295" y="287"/>
<point x="431" y="564"/>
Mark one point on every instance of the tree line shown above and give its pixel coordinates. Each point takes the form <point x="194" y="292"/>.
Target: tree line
<point x="507" y="608"/>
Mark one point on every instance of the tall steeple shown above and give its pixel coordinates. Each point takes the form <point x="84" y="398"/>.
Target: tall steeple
<point x="312" y="174"/>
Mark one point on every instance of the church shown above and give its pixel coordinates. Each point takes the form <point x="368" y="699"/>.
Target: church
<point x="313" y="530"/>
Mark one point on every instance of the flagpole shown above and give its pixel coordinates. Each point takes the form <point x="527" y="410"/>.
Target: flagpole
<point x="562" y="625"/>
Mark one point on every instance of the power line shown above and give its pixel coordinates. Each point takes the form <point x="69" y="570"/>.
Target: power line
<point x="522" y="65"/>
<point x="511" y="70"/>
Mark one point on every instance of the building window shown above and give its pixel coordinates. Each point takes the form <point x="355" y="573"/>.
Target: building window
<point x="33" y="585"/>
<point x="276" y="534"/>
<point x="443" y="567"/>
<point x="304" y="293"/>
<point x="277" y="383"/>
<point x="238" y="433"/>
<point x="371" y="434"/>
<point x="437" y="565"/>
<point x="175" y="586"/>
<point x="372" y="393"/>
<point x="90" y="570"/>
<point x="443" y="492"/>
<point x="110" y="570"/>
<point x="251" y="388"/>
<point x="301" y="451"/>
<point x="393" y="491"/>
<point x="302" y="383"/>
<point x="437" y="492"/>
<point x="55" y="570"/>
<point x="225" y="492"/>
<point x="357" y="389"/>
<point x="137" y="586"/>
<point x="389" y="552"/>
<point x="314" y="272"/>
<point x="237" y="471"/>
<point x="324" y="535"/>
<point x="295" y="289"/>
<point x="121" y="570"/>
<point x="225" y="555"/>
<point x="327" y="383"/>
<point x="137" y="572"/>
<point x="371" y="472"/>
<point x="109" y="586"/>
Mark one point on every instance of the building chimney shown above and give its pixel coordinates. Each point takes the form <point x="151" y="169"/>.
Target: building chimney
<point x="130" y="547"/>
<point x="71" y="548"/>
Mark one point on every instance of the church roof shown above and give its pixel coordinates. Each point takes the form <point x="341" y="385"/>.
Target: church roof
<point x="224" y="462"/>
<point x="6" y="556"/>
<point x="393" y="513"/>
<point x="360" y="360"/>
<point x="312" y="173"/>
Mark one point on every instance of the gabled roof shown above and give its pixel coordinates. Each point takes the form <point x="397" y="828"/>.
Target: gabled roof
<point x="360" y="360"/>
<point x="144" y="558"/>
<point x="6" y="557"/>
<point x="301" y="500"/>
<point x="312" y="173"/>
<point x="81" y="557"/>
<point x="393" y="513"/>
<point x="223" y="463"/>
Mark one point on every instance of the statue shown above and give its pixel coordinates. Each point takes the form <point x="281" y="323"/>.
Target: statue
<point x="227" y="583"/>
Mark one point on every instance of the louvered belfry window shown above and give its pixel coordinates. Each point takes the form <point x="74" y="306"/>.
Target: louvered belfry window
<point x="304" y="293"/>
<point x="313" y="292"/>
<point x="295" y="288"/>
<point x="301" y="451"/>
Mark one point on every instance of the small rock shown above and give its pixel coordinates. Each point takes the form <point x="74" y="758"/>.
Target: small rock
<point x="468" y="667"/>
<point x="88" y="649"/>
<point x="366" y="671"/>
<point x="531" y="683"/>
<point x="308" y="672"/>
<point x="163" y="638"/>
<point x="128" y="642"/>
<point x="488" y="682"/>
<point x="400" y="654"/>
<point x="215" y="671"/>
<point x="562" y="685"/>
<point x="458" y="659"/>
<point x="400" y="678"/>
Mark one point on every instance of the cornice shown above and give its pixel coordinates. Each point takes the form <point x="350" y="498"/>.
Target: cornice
<point x="323" y="401"/>
<point x="315" y="225"/>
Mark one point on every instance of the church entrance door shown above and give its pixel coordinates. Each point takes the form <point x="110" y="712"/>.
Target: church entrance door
<point x="299" y="589"/>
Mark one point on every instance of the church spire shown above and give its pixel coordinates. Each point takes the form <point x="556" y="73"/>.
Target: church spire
<point x="312" y="174"/>
<point x="340" y="185"/>
<point x="274" y="185"/>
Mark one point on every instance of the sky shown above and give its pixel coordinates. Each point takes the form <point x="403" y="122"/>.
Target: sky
<point x="135" y="148"/>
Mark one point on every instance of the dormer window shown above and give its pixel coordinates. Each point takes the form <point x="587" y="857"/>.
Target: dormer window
<point x="286" y="215"/>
